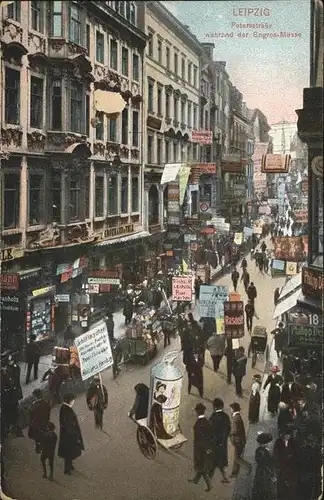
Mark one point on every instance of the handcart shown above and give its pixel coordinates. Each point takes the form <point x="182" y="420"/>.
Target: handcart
<point x="258" y="344"/>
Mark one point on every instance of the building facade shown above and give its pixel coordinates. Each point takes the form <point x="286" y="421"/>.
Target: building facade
<point x="71" y="178"/>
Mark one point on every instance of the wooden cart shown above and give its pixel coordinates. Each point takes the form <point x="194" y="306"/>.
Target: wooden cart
<point x="258" y="344"/>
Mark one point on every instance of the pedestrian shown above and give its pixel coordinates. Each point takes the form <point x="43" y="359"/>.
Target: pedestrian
<point x="261" y="263"/>
<point x="264" y="479"/>
<point x="39" y="416"/>
<point x="285" y="417"/>
<point x="48" y="446"/>
<point x="220" y="430"/>
<point x="263" y="246"/>
<point x="6" y="401"/>
<point x="195" y="371"/>
<point x="246" y="279"/>
<point x="70" y="441"/>
<point x="276" y="296"/>
<point x="235" y="277"/>
<point x="139" y="409"/>
<point x="238" y="439"/>
<point x="202" y="447"/>
<point x="244" y="264"/>
<point x="252" y="292"/>
<point x="110" y="327"/>
<point x="255" y="400"/>
<point x="285" y="460"/>
<point x="55" y="379"/>
<point x="266" y="260"/>
<point x="249" y="315"/>
<point x="32" y="357"/>
<point x="216" y="346"/>
<point x="97" y="400"/>
<point x="128" y="310"/>
<point x="239" y="370"/>
<point x="279" y="338"/>
<point x="273" y="381"/>
<point x="13" y="370"/>
<point x="198" y="283"/>
<point x="117" y="354"/>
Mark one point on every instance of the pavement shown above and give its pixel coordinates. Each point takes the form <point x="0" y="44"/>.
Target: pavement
<point x="112" y="461"/>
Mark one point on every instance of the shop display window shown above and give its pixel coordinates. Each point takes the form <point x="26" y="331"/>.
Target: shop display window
<point x="41" y="319"/>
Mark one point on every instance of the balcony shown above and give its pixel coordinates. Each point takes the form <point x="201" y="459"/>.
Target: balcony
<point x="64" y="49"/>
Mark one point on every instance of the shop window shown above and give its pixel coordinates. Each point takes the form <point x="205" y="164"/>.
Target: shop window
<point x="124" y="195"/>
<point x="113" y="55"/>
<point x="11" y="187"/>
<point x="207" y="191"/>
<point x="125" y="126"/>
<point x="113" y="195"/>
<point x="194" y="202"/>
<point x="167" y="105"/>
<point x="76" y="107"/>
<point x="36" y="102"/>
<point x="135" y="132"/>
<point x="100" y="47"/>
<point x="57" y="18"/>
<point x="175" y="152"/>
<point x="75" y="24"/>
<point x="125" y="61"/>
<point x="149" y="149"/>
<point x="37" y="12"/>
<point x="36" y="199"/>
<point x="159" y="151"/>
<point x="150" y="97"/>
<point x="75" y="197"/>
<point x="135" y="194"/>
<point x="100" y="126"/>
<point x="56" y="197"/>
<point x="167" y="57"/>
<point x="57" y="105"/>
<point x="135" y="67"/>
<point x="99" y="195"/>
<point x="13" y="10"/>
<point x="12" y="96"/>
<point x="112" y="129"/>
<point x="159" y="51"/>
<point x="176" y="63"/>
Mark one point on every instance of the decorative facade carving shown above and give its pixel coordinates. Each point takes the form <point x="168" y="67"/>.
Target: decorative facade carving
<point x="135" y="153"/>
<point x="99" y="148"/>
<point x="47" y="238"/>
<point x="36" y="140"/>
<point x="11" y="32"/>
<point x="124" y="152"/>
<point x="65" y="139"/>
<point x="36" y="43"/>
<point x="81" y="233"/>
<point x="11" y="136"/>
<point x="112" y="147"/>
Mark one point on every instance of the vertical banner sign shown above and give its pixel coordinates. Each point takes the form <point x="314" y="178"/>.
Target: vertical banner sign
<point x="173" y="203"/>
<point x="211" y="304"/>
<point x="184" y="173"/>
<point x="259" y="178"/>
<point x="94" y="351"/>
<point x="234" y="319"/>
<point x="182" y="288"/>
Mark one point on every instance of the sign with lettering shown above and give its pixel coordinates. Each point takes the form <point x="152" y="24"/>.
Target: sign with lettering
<point x="182" y="288"/>
<point x="62" y="297"/>
<point x="234" y="319"/>
<point x="9" y="281"/>
<point x="211" y="301"/>
<point x="312" y="282"/>
<point x="43" y="291"/>
<point x="275" y="164"/>
<point x="104" y="281"/>
<point x="202" y="136"/>
<point x="304" y="336"/>
<point x="10" y="303"/>
<point x="11" y="253"/>
<point x="94" y="351"/>
<point x="103" y="273"/>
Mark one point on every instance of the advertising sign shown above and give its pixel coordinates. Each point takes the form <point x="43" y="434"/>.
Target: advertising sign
<point x="9" y="281"/>
<point x="182" y="288"/>
<point x="257" y="227"/>
<point x="174" y="198"/>
<point x="184" y="174"/>
<point x="188" y="238"/>
<point x="301" y="215"/>
<point x="234" y="319"/>
<point x="304" y="336"/>
<point x="202" y="136"/>
<point x="11" y="253"/>
<point x="275" y="164"/>
<point x="103" y="281"/>
<point x="238" y="238"/>
<point x="291" y="248"/>
<point x="291" y="268"/>
<point x="211" y="301"/>
<point x="312" y="282"/>
<point x="248" y="232"/>
<point x="94" y="351"/>
<point x="170" y="172"/>
<point x="259" y="178"/>
<point x="167" y="393"/>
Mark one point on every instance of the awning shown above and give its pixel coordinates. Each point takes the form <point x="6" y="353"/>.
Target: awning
<point x="308" y="303"/>
<point x="286" y="304"/>
<point x="291" y="285"/>
<point x="130" y="237"/>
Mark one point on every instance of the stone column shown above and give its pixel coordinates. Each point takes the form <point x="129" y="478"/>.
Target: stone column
<point x="129" y="193"/>
<point x="161" y="208"/>
<point x="92" y="193"/>
<point x="146" y="210"/>
<point x="23" y="202"/>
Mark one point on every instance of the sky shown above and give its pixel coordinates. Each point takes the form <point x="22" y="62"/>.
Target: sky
<point x="272" y="72"/>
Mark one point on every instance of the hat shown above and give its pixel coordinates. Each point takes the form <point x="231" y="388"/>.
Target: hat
<point x="275" y="369"/>
<point x="257" y="377"/>
<point x="264" y="438"/>
<point x="200" y="408"/>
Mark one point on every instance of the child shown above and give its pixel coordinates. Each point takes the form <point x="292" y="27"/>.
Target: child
<point x="48" y="446"/>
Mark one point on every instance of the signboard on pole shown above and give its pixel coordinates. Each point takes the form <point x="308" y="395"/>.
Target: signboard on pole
<point x="234" y="319"/>
<point x="211" y="301"/>
<point x="94" y="351"/>
<point x="182" y="288"/>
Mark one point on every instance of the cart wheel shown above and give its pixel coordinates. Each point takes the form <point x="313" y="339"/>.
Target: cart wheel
<point x="146" y="442"/>
<point x="145" y="359"/>
<point x="254" y="358"/>
<point x="267" y="352"/>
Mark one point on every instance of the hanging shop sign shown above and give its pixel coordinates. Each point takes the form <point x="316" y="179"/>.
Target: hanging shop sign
<point x="312" y="283"/>
<point x="317" y="166"/>
<point x="208" y="230"/>
<point x="205" y="168"/>
<point x="103" y="281"/>
<point x="301" y="216"/>
<point x="94" y="351"/>
<point x="293" y="248"/>
<point x="238" y="238"/>
<point x="43" y="291"/>
<point x="103" y="273"/>
<point x="62" y="297"/>
<point x="304" y="336"/>
<point x="188" y="238"/>
<point x="257" y="227"/>
<point x="9" y="281"/>
<point x="11" y="254"/>
<point x="204" y="206"/>
<point x="275" y="164"/>
<point x="93" y="289"/>
<point x="170" y="172"/>
<point x="234" y="319"/>
<point x="182" y="288"/>
<point x="202" y="136"/>
<point x="211" y="301"/>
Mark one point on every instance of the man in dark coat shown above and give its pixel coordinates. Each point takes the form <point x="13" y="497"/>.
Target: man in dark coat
<point x="249" y="315"/>
<point x="238" y="439"/>
<point x="14" y="373"/>
<point x="285" y="460"/>
<point x="202" y="446"/>
<point x="128" y="310"/>
<point x="97" y="400"/>
<point x="239" y="370"/>
<point x="220" y="428"/>
<point x="110" y="326"/>
<point x="55" y="379"/>
<point x="198" y="283"/>
<point x="32" y="357"/>
<point x="246" y="279"/>
<point x="274" y="381"/>
<point x="194" y="365"/>
<point x="252" y="292"/>
<point x="235" y="277"/>
<point x="139" y="409"/>
<point x="70" y="442"/>
<point x="39" y="416"/>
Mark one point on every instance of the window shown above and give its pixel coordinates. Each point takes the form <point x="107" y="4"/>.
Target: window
<point x="189" y="73"/>
<point x="99" y="195"/>
<point x="112" y="195"/>
<point x="75" y="24"/>
<point x="99" y="126"/>
<point x="12" y="96"/>
<point x="150" y="97"/>
<point x="176" y="63"/>
<point x="36" y="199"/>
<point x="125" y="61"/>
<point x="175" y="151"/>
<point x="132" y="13"/>
<point x="87" y="114"/>
<point x="183" y="69"/>
<point x="11" y="187"/>
<point x="76" y="107"/>
<point x="159" y="151"/>
<point x="100" y="47"/>
<point x="57" y="19"/>
<point x="36" y="102"/>
<point x="56" y="197"/>
<point x="125" y="126"/>
<point x="189" y="152"/>
<point x="167" y="151"/>
<point x="206" y="120"/>
<point x="149" y="149"/>
<point x="189" y="114"/>
<point x="75" y="197"/>
<point x="135" y="133"/>
<point x="175" y="109"/>
<point x="57" y="105"/>
<point x="159" y="49"/>
<point x="195" y="82"/>
<point x="37" y="15"/>
<point x="124" y="195"/>
<point x="112" y="130"/>
<point x="135" y="191"/>
<point x="183" y="112"/>
<point x="150" y="45"/>
<point x="194" y="151"/>
<point x="135" y="67"/>
<point x="113" y="55"/>
<point x="13" y="10"/>
<point x="167" y="105"/>
<point x="167" y="57"/>
<point x="88" y="39"/>
<point x="159" y="101"/>
<point x="128" y="11"/>
<point x="87" y="195"/>
<point x="195" y="117"/>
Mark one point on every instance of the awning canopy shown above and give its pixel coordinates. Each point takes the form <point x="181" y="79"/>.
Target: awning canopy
<point x="291" y="285"/>
<point x="122" y="239"/>
<point x="286" y="304"/>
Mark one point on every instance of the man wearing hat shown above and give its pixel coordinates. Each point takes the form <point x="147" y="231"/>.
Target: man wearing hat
<point x="97" y="400"/>
<point x="202" y="447"/>
<point x="238" y="439"/>
<point x="263" y="485"/>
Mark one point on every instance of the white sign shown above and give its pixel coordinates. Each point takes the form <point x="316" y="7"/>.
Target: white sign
<point x="63" y="297"/>
<point x="94" y="351"/>
<point x="93" y="289"/>
<point x="103" y="281"/>
<point x="170" y="172"/>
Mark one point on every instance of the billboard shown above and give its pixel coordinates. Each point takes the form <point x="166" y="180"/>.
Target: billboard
<point x="275" y="164"/>
<point x="293" y="248"/>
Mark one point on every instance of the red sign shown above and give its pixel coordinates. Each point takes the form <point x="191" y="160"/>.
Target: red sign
<point x="301" y="215"/>
<point x="208" y="230"/>
<point x="291" y="248"/>
<point x="234" y="319"/>
<point x="104" y="288"/>
<point x="313" y="282"/>
<point x="9" y="281"/>
<point x="204" y="168"/>
<point x="202" y="136"/>
<point x="103" y="273"/>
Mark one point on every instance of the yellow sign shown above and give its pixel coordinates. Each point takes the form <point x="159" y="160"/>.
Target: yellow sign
<point x="42" y="291"/>
<point x="11" y="253"/>
<point x="220" y="326"/>
<point x="238" y="238"/>
<point x="291" y="268"/>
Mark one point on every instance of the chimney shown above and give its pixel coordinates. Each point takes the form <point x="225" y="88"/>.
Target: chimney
<point x="209" y="49"/>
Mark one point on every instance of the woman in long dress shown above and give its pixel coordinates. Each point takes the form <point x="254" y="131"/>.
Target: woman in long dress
<point x="156" y="415"/>
<point x="264" y="479"/>
<point x="254" y="403"/>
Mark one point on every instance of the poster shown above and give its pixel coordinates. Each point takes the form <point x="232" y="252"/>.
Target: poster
<point x="291" y="268"/>
<point x="94" y="351"/>
<point x="170" y="172"/>
<point x="211" y="301"/>
<point x="234" y="319"/>
<point x="167" y="393"/>
<point x="275" y="163"/>
<point x="184" y="174"/>
<point x="247" y="232"/>
<point x="182" y="288"/>
<point x="278" y="267"/>
<point x="238" y="238"/>
<point x="257" y="227"/>
<point x="290" y="248"/>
